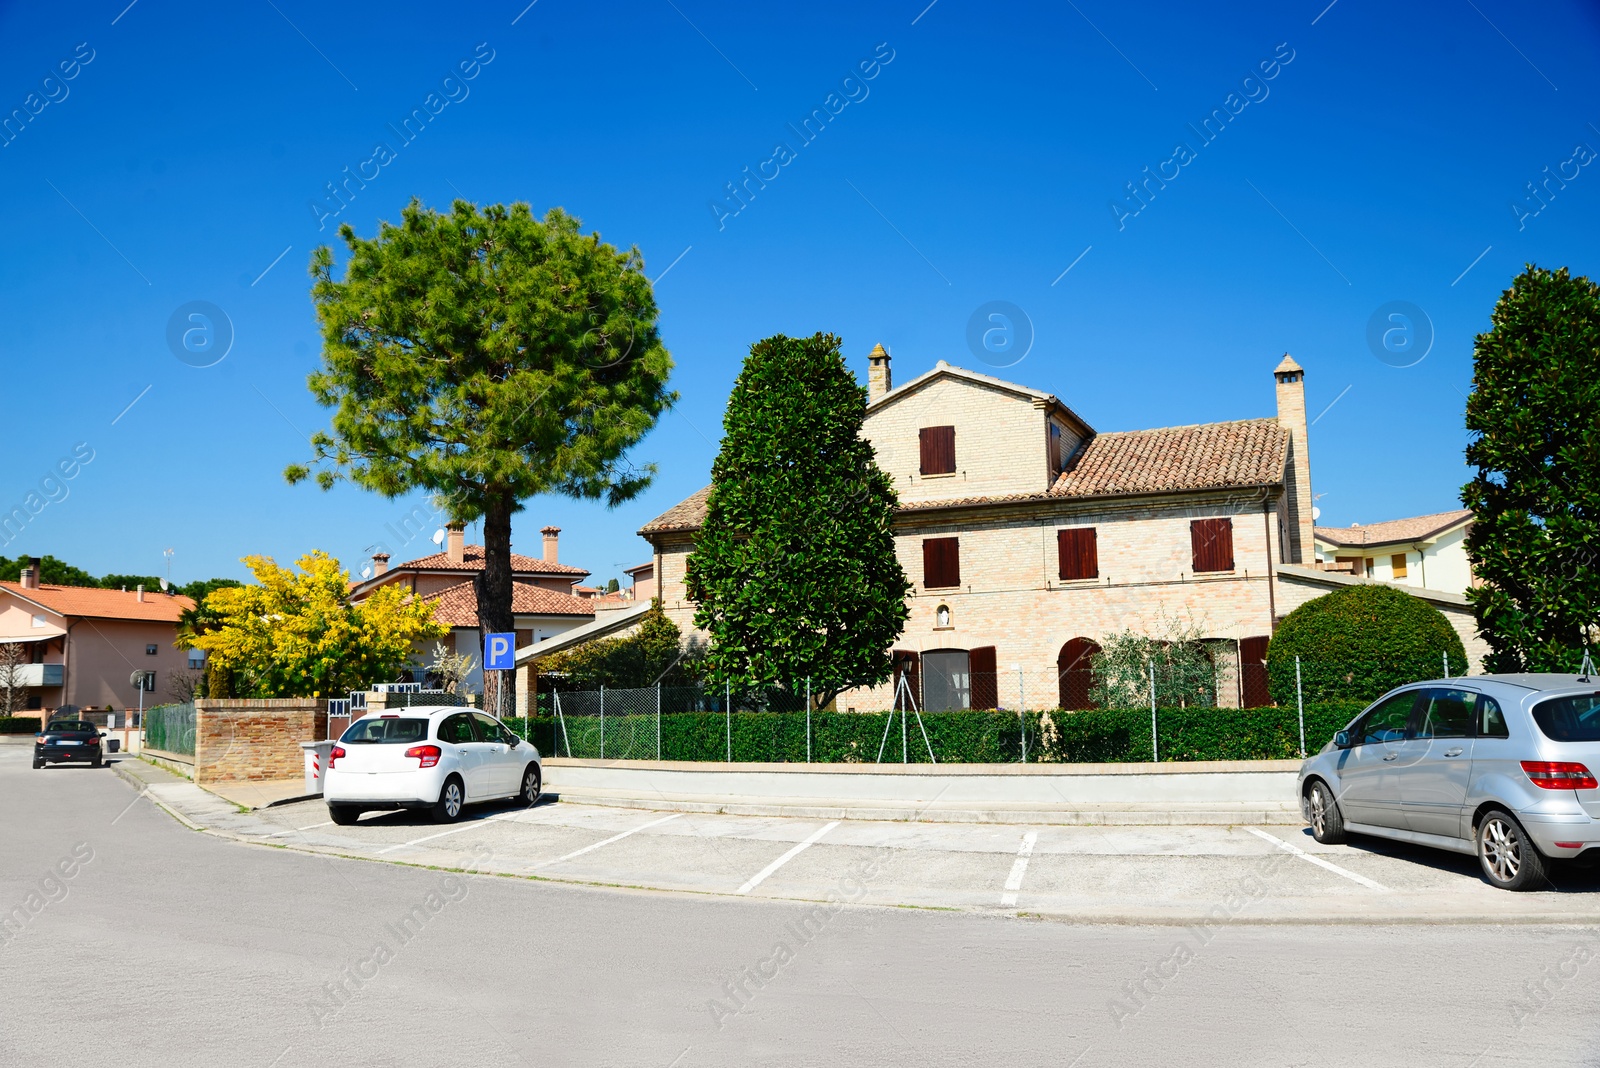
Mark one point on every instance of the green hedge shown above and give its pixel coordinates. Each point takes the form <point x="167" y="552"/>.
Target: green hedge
<point x="19" y="725"/>
<point x="970" y="737"/>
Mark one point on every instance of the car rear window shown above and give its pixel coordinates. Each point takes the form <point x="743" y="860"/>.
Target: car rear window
<point x="375" y="730"/>
<point x="1570" y="719"/>
<point x="69" y="725"/>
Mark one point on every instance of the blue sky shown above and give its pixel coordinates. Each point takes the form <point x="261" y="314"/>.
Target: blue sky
<point x="1379" y="164"/>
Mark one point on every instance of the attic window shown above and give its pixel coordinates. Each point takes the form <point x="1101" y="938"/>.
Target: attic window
<point x="938" y="450"/>
<point x="39" y="621"/>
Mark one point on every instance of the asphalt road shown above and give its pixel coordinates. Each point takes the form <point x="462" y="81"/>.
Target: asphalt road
<point x="130" y="940"/>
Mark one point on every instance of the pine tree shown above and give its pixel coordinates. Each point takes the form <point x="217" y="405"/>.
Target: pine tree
<point x="795" y="574"/>
<point x="1535" y="416"/>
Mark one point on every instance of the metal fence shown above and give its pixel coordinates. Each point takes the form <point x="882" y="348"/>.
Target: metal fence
<point x="1150" y="712"/>
<point x="170" y="728"/>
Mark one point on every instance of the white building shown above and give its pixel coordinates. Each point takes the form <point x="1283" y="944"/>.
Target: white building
<point x="1425" y="551"/>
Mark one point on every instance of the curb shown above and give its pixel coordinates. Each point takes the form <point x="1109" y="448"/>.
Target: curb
<point x="144" y="791"/>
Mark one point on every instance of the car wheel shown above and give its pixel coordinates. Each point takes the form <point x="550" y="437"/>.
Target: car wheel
<point x="95" y="763"/>
<point x="531" y="786"/>
<point x="344" y="815"/>
<point x="452" y="799"/>
<point x="1327" y="822"/>
<point x="1509" y="859"/>
<point x="37" y="763"/>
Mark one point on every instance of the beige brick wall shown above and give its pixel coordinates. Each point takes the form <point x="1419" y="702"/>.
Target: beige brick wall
<point x="1001" y="440"/>
<point x="255" y="739"/>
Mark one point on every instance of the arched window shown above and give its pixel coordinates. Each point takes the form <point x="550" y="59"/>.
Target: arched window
<point x="1072" y="666"/>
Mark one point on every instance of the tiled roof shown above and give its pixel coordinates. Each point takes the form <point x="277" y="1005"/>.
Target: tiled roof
<point x="1176" y="459"/>
<point x="687" y="514"/>
<point x="457" y="606"/>
<point x="94" y="603"/>
<point x="474" y="562"/>
<point x="1415" y="528"/>
<point x="1249" y="452"/>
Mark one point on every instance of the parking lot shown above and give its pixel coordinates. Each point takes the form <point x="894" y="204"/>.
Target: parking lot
<point x="1139" y="874"/>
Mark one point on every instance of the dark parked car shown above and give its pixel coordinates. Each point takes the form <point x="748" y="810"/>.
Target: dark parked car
<point x="67" y="739"/>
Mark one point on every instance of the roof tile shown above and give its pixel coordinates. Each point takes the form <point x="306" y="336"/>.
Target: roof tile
<point x="87" y="601"/>
<point x="457" y="606"/>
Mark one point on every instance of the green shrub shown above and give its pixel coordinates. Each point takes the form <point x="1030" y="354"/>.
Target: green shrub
<point x="964" y="737"/>
<point x="1359" y="643"/>
<point x="19" y="725"/>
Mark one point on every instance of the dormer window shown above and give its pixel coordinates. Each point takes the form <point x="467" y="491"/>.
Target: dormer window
<point x="938" y="450"/>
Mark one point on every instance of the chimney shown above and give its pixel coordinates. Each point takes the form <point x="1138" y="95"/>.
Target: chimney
<point x="380" y="564"/>
<point x="30" y="574"/>
<point x="138" y="592"/>
<point x="552" y="544"/>
<point x="879" y="381"/>
<point x="1297" y="521"/>
<point x="455" y="543"/>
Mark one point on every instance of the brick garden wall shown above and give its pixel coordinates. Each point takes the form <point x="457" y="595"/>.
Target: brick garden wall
<point x="255" y="739"/>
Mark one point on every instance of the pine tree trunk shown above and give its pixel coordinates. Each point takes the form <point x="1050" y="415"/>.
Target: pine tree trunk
<point x="494" y="600"/>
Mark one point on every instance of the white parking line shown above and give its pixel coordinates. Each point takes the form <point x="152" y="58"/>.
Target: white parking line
<point x="613" y="838"/>
<point x="1019" y="868"/>
<point x="756" y="879"/>
<point x="1318" y="861"/>
<point x="453" y="830"/>
<point x="297" y="830"/>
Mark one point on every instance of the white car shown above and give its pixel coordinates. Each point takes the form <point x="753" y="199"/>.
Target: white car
<point x="439" y="759"/>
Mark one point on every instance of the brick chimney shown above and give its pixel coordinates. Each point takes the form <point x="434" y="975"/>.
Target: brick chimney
<point x="1291" y="379"/>
<point x="879" y="381"/>
<point x="138" y="592"/>
<point x="552" y="544"/>
<point x="455" y="543"/>
<point x="30" y="574"/>
<point x="380" y="564"/>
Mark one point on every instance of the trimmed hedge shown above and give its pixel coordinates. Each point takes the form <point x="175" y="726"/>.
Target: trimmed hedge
<point x="19" y="725"/>
<point x="1362" y="642"/>
<point x="967" y="737"/>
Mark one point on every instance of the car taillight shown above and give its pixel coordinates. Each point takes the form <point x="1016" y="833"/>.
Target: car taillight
<point x="428" y="754"/>
<point x="1559" y="775"/>
<point x="333" y="757"/>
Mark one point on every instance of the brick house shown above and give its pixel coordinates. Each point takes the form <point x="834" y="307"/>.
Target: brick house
<point x="82" y="643"/>
<point x="1028" y="535"/>
<point x="542" y="597"/>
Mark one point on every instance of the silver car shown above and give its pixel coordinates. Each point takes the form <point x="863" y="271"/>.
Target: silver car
<point x="1494" y="765"/>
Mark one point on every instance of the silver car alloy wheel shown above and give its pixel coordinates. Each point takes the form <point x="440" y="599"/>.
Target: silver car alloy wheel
<point x="1319" y="812"/>
<point x="452" y="799"/>
<point x="1502" y="848"/>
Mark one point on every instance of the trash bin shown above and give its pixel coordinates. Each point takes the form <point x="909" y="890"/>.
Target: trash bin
<point x="113" y="745"/>
<point x="316" y="761"/>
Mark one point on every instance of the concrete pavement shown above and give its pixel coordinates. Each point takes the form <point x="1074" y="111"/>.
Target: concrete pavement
<point x="169" y="947"/>
<point x="1241" y="874"/>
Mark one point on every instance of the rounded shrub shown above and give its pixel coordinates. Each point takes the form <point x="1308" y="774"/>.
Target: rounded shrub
<point x="1359" y="642"/>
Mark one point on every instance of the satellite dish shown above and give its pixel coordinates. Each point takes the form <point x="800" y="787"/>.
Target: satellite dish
<point x="1316" y="513"/>
<point x="438" y="536"/>
<point x="366" y="572"/>
<point x="163" y="585"/>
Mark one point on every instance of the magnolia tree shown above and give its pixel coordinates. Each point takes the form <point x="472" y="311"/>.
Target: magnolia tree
<point x="297" y="634"/>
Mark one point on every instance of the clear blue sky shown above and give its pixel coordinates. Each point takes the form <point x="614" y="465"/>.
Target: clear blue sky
<point x="980" y="162"/>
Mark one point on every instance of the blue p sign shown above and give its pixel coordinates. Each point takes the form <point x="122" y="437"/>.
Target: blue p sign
<point x="500" y="652"/>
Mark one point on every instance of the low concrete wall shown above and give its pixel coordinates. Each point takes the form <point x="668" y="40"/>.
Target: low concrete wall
<point x="255" y="739"/>
<point x="1198" y="792"/>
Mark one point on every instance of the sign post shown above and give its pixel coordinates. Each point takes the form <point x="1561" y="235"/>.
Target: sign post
<point x="499" y="654"/>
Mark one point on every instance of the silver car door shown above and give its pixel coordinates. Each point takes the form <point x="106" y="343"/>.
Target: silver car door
<point x="1368" y="789"/>
<point x="1435" y="766"/>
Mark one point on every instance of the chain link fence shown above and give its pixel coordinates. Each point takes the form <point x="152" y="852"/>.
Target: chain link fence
<point x="170" y="729"/>
<point x="1222" y="711"/>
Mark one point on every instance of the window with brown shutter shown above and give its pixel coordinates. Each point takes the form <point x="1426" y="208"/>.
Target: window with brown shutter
<point x="1213" y="544"/>
<point x="941" y="562"/>
<point x="1079" y="556"/>
<point x="985" y="678"/>
<point x="938" y="450"/>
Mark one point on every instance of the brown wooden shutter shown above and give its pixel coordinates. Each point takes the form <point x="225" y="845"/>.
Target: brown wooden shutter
<point x="1212" y="541"/>
<point x="938" y="450"/>
<point x="1078" y="553"/>
<point x="1253" y="671"/>
<point x="909" y="665"/>
<point x="985" y="680"/>
<point x="941" y="562"/>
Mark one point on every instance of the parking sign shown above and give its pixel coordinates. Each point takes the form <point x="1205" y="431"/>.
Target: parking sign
<point x="500" y="652"/>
